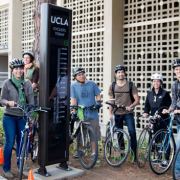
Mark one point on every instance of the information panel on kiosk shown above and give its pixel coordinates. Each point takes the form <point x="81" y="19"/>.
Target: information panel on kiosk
<point x="58" y="77"/>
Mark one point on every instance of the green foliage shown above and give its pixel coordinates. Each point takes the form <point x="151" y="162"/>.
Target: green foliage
<point x="1" y="126"/>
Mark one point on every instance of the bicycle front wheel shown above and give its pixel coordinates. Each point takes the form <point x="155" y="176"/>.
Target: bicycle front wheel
<point x="161" y="152"/>
<point x="87" y="147"/>
<point x="143" y="147"/>
<point x="22" y="155"/>
<point x="176" y="167"/>
<point x="116" y="148"/>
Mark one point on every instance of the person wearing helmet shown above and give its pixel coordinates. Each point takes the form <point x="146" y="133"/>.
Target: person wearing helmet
<point x="14" y="91"/>
<point x="31" y="72"/>
<point x="85" y="92"/>
<point x="122" y="91"/>
<point x="155" y="99"/>
<point x="175" y="106"/>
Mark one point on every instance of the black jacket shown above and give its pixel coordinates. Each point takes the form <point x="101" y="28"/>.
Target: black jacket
<point x="162" y="99"/>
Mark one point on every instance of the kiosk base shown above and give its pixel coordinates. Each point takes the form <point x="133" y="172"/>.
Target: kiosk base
<point x="42" y="171"/>
<point x="64" y="166"/>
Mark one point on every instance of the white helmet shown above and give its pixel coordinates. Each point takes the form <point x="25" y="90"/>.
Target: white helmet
<point x="157" y="76"/>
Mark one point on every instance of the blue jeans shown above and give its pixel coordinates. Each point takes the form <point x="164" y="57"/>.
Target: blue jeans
<point x="177" y="166"/>
<point x="129" y="120"/>
<point x="12" y="127"/>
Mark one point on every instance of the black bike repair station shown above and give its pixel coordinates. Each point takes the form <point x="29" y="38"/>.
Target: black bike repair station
<point x="55" y="59"/>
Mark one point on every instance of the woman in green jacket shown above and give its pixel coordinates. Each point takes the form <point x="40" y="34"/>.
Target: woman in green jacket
<point x="31" y="72"/>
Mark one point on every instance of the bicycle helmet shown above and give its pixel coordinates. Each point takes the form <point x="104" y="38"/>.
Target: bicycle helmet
<point x="16" y="63"/>
<point x="157" y="76"/>
<point x="78" y="70"/>
<point x="28" y="53"/>
<point x="119" y="68"/>
<point x="176" y="63"/>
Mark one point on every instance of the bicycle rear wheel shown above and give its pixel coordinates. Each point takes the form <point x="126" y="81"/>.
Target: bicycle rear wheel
<point x="175" y="167"/>
<point x="34" y="150"/>
<point x="143" y="147"/>
<point x="116" y="154"/>
<point x="161" y="152"/>
<point x="22" y="155"/>
<point x="85" y="150"/>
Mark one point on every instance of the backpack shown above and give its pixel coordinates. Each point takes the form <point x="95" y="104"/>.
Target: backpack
<point x="130" y="90"/>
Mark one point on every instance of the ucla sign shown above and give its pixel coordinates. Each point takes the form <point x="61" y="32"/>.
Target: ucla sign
<point x="55" y="59"/>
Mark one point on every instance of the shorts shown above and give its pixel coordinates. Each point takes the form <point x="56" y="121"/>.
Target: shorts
<point x="95" y="125"/>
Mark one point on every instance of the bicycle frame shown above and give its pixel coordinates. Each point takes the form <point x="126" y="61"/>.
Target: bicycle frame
<point x="170" y="134"/>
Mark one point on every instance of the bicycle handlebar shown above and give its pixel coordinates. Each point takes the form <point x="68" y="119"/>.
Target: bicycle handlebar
<point x="29" y="106"/>
<point x="82" y="107"/>
<point x="115" y="106"/>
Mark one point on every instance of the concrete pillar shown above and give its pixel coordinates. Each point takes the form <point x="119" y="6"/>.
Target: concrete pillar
<point x="113" y="45"/>
<point x="60" y="3"/>
<point x="15" y="29"/>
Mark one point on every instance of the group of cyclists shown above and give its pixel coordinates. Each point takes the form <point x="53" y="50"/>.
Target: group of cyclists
<point x="22" y="88"/>
<point x="125" y="93"/>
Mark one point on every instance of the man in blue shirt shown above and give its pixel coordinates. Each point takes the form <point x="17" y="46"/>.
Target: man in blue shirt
<point x="86" y="93"/>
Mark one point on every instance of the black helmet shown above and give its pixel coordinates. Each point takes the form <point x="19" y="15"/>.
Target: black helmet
<point x="16" y="63"/>
<point x="29" y="53"/>
<point x="176" y="63"/>
<point x="119" y="68"/>
<point x="78" y="70"/>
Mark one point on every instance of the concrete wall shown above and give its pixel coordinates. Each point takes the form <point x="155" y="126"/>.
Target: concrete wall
<point x="3" y="63"/>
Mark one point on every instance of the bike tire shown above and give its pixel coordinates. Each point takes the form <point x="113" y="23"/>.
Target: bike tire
<point x="22" y="155"/>
<point x="85" y="159"/>
<point x="34" y="150"/>
<point x="117" y="155"/>
<point x="143" y="147"/>
<point x="158" y="151"/>
<point x="174" y="164"/>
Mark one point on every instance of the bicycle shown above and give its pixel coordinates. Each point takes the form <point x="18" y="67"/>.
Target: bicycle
<point x="85" y="138"/>
<point x="117" y="145"/>
<point x="28" y="112"/>
<point x="162" y="149"/>
<point x="145" y="139"/>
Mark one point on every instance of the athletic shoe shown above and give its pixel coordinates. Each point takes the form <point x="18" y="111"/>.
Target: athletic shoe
<point x="156" y="161"/>
<point x="93" y="156"/>
<point x="164" y="164"/>
<point x="82" y="153"/>
<point x="8" y="174"/>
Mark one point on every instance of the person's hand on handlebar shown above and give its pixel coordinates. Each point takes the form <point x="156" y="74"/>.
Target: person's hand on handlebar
<point x="10" y="103"/>
<point x="145" y="114"/>
<point x="177" y="111"/>
<point x="129" y="108"/>
<point x="98" y="104"/>
<point x="165" y="111"/>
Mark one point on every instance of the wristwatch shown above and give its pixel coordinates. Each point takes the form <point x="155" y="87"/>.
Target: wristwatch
<point x="7" y="104"/>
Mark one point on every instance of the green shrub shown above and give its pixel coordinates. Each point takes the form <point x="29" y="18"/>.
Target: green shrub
<point x="1" y="126"/>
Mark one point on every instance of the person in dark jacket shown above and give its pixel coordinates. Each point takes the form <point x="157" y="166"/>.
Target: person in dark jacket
<point x="158" y="98"/>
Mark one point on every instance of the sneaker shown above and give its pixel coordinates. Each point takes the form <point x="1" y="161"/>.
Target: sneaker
<point x="177" y="174"/>
<point x="156" y="161"/>
<point x="8" y="174"/>
<point x="164" y="164"/>
<point x="82" y="153"/>
<point x="93" y="156"/>
<point x="34" y="159"/>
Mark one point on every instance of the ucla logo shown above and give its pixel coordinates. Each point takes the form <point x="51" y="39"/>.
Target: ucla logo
<point x="59" y="20"/>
